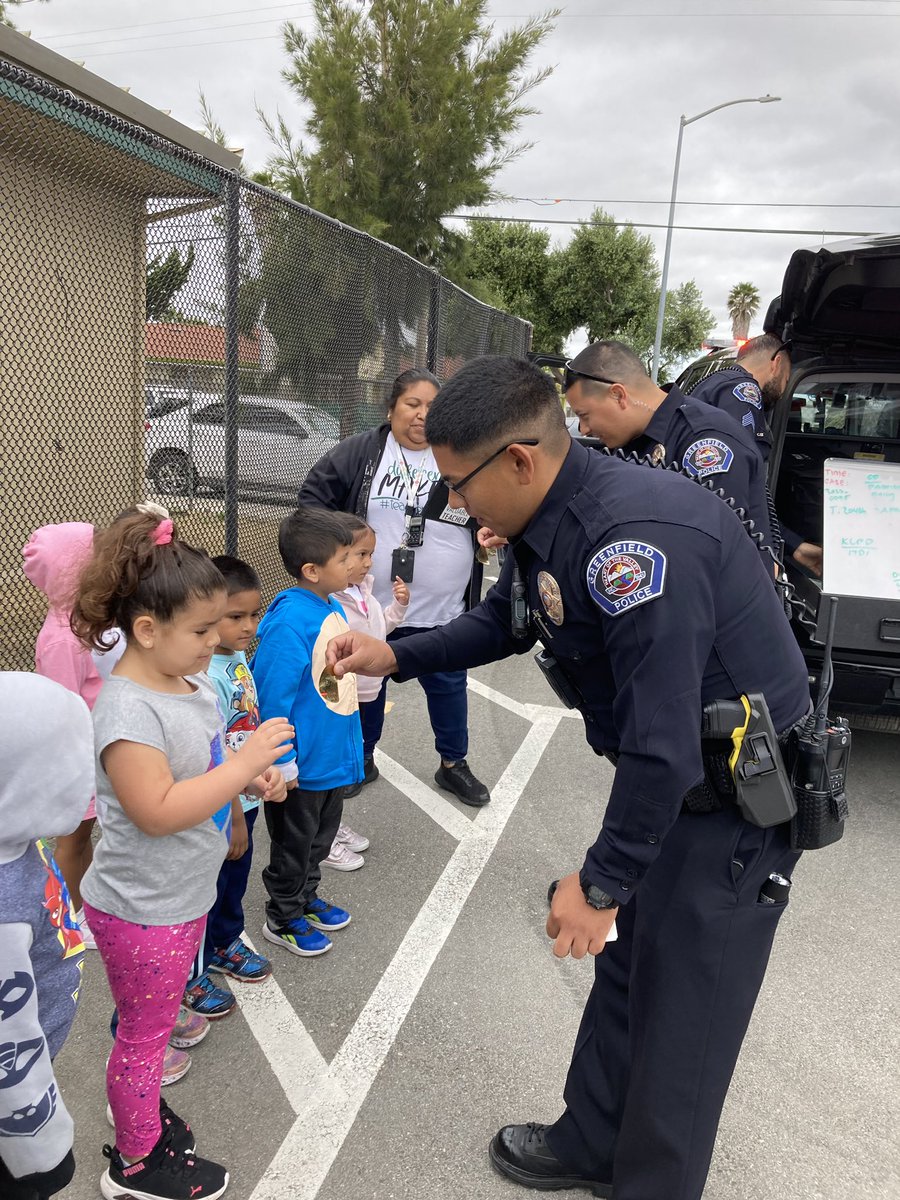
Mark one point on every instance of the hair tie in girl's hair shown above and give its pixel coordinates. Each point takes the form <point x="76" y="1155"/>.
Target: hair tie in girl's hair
<point x="163" y="533"/>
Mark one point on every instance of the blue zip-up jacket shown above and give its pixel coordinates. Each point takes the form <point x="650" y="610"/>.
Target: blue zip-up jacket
<point x="288" y="667"/>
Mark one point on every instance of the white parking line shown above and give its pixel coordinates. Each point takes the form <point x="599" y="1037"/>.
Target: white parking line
<point x="292" y="1054"/>
<point x="323" y="1122"/>
<point x="442" y="813"/>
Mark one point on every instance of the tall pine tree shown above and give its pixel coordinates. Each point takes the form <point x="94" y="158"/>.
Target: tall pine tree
<point x="413" y="105"/>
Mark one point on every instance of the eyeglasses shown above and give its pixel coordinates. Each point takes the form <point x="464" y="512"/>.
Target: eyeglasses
<point x="784" y="348"/>
<point x="571" y="375"/>
<point x="457" y="488"/>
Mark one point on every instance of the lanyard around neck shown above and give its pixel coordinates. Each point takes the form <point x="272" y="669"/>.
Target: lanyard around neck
<point x="412" y="493"/>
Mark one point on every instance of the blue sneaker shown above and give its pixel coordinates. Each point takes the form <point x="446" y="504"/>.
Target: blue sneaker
<point x="324" y="915"/>
<point x="298" y="937"/>
<point x="239" y="961"/>
<point x="202" y="996"/>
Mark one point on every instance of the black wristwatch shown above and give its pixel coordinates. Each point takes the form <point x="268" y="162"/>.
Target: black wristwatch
<point x="595" y="896"/>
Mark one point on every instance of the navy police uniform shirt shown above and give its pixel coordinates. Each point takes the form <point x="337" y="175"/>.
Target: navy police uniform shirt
<point x="654" y="601"/>
<point x="733" y="390"/>
<point x="706" y="444"/>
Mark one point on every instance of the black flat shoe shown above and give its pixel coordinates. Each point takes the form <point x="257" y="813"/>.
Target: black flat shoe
<point x="459" y="780"/>
<point x="521" y="1153"/>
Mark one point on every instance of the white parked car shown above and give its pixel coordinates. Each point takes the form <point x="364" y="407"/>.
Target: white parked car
<point x="278" y="442"/>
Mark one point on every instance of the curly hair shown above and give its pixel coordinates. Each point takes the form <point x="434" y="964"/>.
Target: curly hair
<point x="130" y="574"/>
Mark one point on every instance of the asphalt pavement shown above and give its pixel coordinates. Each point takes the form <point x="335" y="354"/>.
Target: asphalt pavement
<point x="381" y="1070"/>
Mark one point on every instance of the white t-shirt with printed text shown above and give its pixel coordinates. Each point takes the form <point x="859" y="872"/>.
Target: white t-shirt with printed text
<point x="443" y="562"/>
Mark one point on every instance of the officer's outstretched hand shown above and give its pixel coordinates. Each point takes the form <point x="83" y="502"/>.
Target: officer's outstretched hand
<point x="360" y="653"/>
<point x="577" y="928"/>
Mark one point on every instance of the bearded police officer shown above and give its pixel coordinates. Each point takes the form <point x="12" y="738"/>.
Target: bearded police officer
<point x="748" y="391"/>
<point x="616" y="401"/>
<point x="643" y="588"/>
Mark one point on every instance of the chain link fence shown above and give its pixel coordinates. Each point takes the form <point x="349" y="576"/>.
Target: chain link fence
<point x="170" y="331"/>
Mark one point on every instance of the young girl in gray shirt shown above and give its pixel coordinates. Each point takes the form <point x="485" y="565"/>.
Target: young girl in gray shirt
<point x="164" y="788"/>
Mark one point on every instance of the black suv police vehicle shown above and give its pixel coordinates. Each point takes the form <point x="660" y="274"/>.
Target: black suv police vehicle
<point x="839" y="309"/>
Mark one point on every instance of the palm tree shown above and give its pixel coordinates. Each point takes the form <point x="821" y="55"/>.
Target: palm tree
<point x="743" y="305"/>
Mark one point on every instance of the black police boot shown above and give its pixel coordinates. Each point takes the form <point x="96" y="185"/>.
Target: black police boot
<point x="521" y="1153"/>
<point x="460" y="780"/>
<point x="551" y="891"/>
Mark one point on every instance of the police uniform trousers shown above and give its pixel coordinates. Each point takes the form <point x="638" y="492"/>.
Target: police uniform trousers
<point x="670" y="1004"/>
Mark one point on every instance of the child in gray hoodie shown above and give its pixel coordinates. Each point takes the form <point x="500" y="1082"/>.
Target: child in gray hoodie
<point x="41" y="951"/>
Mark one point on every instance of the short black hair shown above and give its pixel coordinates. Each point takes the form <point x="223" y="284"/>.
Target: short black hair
<point x="239" y="576"/>
<point x="490" y="399"/>
<point x="612" y="360"/>
<point x="311" y="535"/>
<point x="767" y="344"/>
<point x="407" y="379"/>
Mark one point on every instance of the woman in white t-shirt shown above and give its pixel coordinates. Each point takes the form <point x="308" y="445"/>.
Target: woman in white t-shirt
<point x="388" y="477"/>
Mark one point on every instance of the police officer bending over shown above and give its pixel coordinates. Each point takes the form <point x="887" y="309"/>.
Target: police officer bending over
<point x="645" y="589"/>
<point x="748" y="391"/>
<point x="615" y="400"/>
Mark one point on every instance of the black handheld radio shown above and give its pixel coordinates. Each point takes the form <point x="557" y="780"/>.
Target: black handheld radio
<point x="820" y="750"/>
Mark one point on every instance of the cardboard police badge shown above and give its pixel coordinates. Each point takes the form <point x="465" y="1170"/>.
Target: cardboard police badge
<point x="625" y="574"/>
<point x="551" y="597"/>
<point x="709" y="456"/>
<point x="749" y="393"/>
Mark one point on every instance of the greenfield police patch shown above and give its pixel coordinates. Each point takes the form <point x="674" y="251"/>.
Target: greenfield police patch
<point x="625" y="574"/>
<point x="749" y="393"/>
<point x="709" y="456"/>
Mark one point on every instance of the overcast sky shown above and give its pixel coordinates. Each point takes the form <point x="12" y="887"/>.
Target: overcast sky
<point x="607" y="125"/>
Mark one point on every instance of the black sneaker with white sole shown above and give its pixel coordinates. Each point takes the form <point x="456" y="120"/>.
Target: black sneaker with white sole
<point x="182" y="1140"/>
<point x="163" y="1174"/>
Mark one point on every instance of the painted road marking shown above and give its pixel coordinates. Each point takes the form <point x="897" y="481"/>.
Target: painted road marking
<point x="326" y="1104"/>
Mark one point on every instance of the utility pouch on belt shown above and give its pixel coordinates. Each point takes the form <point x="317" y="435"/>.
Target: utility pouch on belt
<point x="763" y="790"/>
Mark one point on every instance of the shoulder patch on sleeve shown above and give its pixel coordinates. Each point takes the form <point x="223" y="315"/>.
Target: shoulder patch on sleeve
<point x="708" y="456"/>
<point x="625" y="574"/>
<point x="749" y="392"/>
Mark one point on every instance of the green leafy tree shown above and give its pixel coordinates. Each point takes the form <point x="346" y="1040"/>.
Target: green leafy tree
<point x="166" y="276"/>
<point x="519" y="272"/>
<point x="743" y="305"/>
<point x="412" y="107"/>
<point x="608" y="279"/>
<point x="686" y="324"/>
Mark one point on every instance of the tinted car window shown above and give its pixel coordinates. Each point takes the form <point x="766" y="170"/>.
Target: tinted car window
<point x="212" y="414"/>
<point x="271" y="419"/>
<point x="846" y="407"/>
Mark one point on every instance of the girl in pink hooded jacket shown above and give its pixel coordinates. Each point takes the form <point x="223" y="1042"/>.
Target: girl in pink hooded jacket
<point x="53" y="558"/>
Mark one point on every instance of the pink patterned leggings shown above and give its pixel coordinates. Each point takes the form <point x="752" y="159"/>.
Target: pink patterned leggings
<point x="147" y="967"/>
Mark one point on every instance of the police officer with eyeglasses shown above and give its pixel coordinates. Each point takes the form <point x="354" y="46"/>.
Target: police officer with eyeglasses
<point x="642" y="588"/>
<point x="615" y="400"/>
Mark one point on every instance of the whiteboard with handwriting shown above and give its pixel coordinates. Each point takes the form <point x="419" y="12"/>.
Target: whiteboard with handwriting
<point x="861" y="540"/>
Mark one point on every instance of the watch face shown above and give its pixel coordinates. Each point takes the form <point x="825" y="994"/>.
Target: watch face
<point x="597" y="898"/>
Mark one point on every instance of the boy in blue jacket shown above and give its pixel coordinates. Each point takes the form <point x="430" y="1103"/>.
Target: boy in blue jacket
<point x="291" y="677"/>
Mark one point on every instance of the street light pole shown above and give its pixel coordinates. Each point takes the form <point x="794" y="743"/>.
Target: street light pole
<point x="661" y="311"/>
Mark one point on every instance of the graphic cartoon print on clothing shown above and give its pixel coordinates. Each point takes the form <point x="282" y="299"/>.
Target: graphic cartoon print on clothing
<point x="244" y="715"/>
<point x="59" y="906"/>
